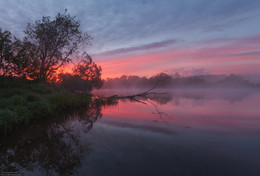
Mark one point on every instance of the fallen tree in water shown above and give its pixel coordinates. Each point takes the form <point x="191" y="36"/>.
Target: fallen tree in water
<point x="136" y="97"/>
<point x="139" y="95"/>
<point x="146" y="98"/>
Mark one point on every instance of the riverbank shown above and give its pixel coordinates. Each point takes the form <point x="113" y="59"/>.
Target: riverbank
<point x="23" y="101"/>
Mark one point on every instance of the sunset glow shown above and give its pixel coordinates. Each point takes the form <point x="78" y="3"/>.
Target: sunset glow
<point x="130" y="87"/>
<point x="210" y="117"/>
<point x="239" y="57"/>
<point x="191" y="38"/>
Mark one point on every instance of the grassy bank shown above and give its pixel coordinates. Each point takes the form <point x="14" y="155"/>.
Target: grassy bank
<point x="23" y="101"/>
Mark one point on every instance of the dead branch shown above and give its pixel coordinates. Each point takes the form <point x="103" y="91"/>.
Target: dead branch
<point x="144" y="94"/>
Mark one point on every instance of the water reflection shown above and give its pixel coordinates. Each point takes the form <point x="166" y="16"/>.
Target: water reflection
<point x="166" y="95"/>
<point x="51" y="147"/>
<point x="231" y="95"/>
<point x="216" y="110"/>
<point x="197" y="132"/>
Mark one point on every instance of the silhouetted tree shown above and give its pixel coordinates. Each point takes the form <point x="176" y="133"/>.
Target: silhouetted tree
<point x="24" y="63"/>
<point x="5" y="51"/>
<point x="177" y="75"/>
<point x="163" y="79"/>
<point x="88" y="70"/>
<point x="55" y="41"/>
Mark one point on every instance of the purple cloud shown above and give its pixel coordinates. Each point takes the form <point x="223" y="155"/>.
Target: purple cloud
<point x="149" y="46"/>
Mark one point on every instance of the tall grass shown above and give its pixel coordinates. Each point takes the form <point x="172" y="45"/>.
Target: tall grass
<point x="23" y="101"/>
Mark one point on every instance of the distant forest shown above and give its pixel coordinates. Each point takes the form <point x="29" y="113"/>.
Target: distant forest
<point x="164" y="80"/>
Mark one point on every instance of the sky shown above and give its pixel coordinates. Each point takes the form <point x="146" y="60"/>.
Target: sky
<point x="145" y="37"/>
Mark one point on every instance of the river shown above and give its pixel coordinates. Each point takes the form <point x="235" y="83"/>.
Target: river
<point x="191" y="132"/>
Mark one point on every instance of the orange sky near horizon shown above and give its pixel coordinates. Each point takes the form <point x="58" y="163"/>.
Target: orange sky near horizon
<point x="238" y="56"/>
<point x="187" y="61"/>
<point x="144" y="38"/>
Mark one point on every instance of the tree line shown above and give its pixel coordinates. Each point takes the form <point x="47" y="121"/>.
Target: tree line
<point x="47" y="46"/>
<point x="165" y="80"/>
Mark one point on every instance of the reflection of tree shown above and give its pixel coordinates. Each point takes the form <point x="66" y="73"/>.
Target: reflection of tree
<point x="91" y="115"/>
<point x="52" y="149"/>
<point x="161" y="98"/>
<point x="152" y="98"/>
<point x="158" y="111"/>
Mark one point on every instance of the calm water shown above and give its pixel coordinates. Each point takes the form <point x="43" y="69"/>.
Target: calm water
<point x="202" y="132"/>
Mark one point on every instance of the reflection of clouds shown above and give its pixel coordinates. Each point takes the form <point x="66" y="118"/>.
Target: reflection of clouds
<point x="158" y="128"/>
<point x="176" y="101"/>
<point x="198" y="95"/>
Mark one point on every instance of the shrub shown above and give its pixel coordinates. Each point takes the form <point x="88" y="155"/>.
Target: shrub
<point x="75" y="83"/>
<point x="31" y="97"/>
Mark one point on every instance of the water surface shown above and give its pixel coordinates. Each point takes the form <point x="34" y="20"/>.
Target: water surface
<point x="202" y="132"/>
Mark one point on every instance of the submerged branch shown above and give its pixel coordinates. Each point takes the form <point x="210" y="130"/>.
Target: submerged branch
<point x="144" y="94"/>
<point x="144" y="98"/>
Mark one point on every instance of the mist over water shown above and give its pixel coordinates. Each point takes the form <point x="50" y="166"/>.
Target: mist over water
<point x="230" y="94"/>
<point x="166" y="81"/>
<point x="61" y="113"/>
<point x="182" y="131"/>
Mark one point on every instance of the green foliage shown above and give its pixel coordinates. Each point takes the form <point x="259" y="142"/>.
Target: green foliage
<point x="18" y="100"/>
<point x="29" y="101"/>
<point x="8" y="119"/>
<point x="48" y="45"/>
<point x="33" y="97"/>
<point x="75" y="83"/>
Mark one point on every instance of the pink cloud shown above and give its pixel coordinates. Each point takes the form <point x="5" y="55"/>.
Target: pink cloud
<point x="240" y="56"/>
